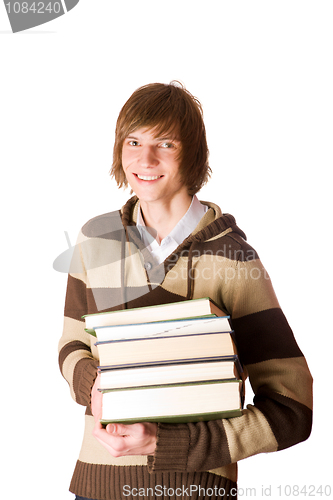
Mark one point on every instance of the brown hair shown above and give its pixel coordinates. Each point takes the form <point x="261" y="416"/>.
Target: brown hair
<point x="167" y="108"/>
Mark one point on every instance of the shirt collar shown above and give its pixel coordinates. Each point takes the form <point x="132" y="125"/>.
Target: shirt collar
<point x="182" y="229"/>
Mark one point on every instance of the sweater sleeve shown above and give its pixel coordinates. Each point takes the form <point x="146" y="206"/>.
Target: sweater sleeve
<point x="281" y="413"/>
<point x="76" y="360"/>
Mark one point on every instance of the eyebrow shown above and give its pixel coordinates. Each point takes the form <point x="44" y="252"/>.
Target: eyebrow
<point x="166" y="138"/>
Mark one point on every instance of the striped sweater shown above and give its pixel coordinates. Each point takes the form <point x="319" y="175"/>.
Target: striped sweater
<point x="112" y="270"/>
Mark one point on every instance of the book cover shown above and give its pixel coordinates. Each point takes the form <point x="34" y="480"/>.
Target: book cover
<point x="175" y="310"/>
<point x="163" y="328"/>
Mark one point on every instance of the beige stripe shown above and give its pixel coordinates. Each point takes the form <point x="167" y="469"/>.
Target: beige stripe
<point x="212" y="213"/>
<point x="73" y="330"/>
<point x="77" y="268"/>
<point x="249" y="434"/>
<point x="216" y="276"/>
<point x="229" y="471"/>
<point x="289" y="377"/>
<point x="229" y="230"/>
<point x="135" y="212"/>
<point x="94" y="453"/>
<point x="73" y="271"/>
<point x="251" y="280"/>
<point x="109" y="275"/>
<point x="176" y="279"/>
<point x="236" y="282"/>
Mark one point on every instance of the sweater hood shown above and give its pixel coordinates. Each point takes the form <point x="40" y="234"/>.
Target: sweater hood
<point x="213" y="225"/>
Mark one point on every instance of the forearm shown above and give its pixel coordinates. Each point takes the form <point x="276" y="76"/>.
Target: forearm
<point x="76" y="360"/>
<point x="281" y="415"/>
<point x="273" y="423"/>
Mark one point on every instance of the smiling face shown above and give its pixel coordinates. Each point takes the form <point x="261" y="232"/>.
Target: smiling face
<point x="151" y="166"/>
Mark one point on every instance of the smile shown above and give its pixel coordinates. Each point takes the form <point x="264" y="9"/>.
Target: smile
<point x="148" y="177"/>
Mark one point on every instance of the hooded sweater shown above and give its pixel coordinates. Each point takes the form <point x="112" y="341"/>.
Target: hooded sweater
<point x="111" y="270"/>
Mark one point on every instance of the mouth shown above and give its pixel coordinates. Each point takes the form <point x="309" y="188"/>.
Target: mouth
<point x="148" y="177"/>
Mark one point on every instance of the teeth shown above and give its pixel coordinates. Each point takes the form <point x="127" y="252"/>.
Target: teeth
<point x="148" y="177"/>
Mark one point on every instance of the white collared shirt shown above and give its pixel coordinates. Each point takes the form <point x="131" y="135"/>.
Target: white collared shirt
<point x="182" y="230"/>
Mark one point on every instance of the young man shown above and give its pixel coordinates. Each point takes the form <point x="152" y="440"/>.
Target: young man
<point x="163" y="246"/>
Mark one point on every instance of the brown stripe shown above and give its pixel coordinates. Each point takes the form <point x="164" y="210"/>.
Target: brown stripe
<point x="85" y="372"/>
<point x="264" y="335"/>
<point x="168" y="442"/>
<point x="69" y="348"/>
<point x="75" y="306"/>
<point x="88" y="411"/>
<point x="218" y="226"/>
<point x="202" y="446"/>
<point x="290" y="421"/>
<point x="157" y="296"/>
<point x="230" y="246"/>
<point x="109" y="299"/>
<point x="107" y="482"/>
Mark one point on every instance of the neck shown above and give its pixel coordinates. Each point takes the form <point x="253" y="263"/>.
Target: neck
<point x="165" y="216"/>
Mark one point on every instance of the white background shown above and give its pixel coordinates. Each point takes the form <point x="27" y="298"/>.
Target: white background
<point x="263" y="72"/>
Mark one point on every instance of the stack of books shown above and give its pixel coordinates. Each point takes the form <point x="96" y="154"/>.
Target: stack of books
<point x="173" y="362"/>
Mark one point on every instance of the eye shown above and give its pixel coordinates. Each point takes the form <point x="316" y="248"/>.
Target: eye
<point x="133" y="142"/>
<point x="167" y="145"/>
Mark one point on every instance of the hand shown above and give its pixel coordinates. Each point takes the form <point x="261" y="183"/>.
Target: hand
<point x="96" y="399"/>
<point x="122" y="440"/>
<point x="119" y="439"/>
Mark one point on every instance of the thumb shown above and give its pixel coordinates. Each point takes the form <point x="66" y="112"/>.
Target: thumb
<point x="120" y="429"/>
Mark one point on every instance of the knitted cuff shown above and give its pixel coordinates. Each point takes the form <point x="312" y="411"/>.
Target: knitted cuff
<point x="172" y="447"/>
<point x="85" y="374"/>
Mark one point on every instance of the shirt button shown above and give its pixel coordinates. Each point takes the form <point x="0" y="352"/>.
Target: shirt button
<point x="148" y="266"/>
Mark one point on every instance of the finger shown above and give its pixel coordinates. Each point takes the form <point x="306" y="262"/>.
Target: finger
<point x="119" y="429"/>
<point x="116" y="444"/>
<point x="96" y="401"/>
<point x="108" y="447"/>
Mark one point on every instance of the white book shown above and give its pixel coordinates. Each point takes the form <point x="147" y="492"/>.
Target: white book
<point x="163" y="328"/>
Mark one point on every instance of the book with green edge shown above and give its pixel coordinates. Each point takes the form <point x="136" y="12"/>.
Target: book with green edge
<point x="203" y="307"/>
<point x="178" y="419"/>
<point x="188" y="402"/>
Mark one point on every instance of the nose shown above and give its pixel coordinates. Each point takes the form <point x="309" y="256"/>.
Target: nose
<point x="148" y="157"/>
